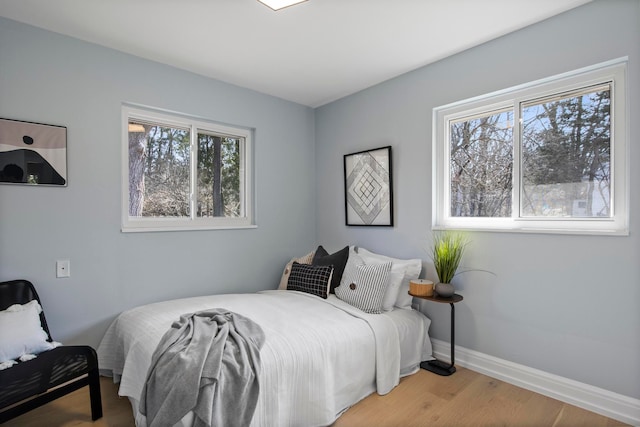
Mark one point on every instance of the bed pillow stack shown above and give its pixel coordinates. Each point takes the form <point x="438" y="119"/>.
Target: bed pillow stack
<point x="402" y="271"/>
<point x="395" y="292"/>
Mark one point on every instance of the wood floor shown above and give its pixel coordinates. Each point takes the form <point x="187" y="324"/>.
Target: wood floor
<point x="424" y="399"/>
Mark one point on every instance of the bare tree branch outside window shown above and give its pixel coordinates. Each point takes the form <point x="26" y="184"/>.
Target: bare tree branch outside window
<point x="481" y="165"/>
<point x="566" y="149"/>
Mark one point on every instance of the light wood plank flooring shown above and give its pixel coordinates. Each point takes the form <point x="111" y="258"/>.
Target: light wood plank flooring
<point x="466" y="398"/>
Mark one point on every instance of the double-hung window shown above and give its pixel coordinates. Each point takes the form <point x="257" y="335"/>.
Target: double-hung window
<point x="183" y="173"/>
<point x="549" y="156"/>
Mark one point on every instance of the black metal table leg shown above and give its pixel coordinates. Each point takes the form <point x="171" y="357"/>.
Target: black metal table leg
<point x="437" y="366"/>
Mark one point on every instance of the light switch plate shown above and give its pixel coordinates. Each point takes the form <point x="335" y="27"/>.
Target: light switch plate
<point x="63" y="268"/>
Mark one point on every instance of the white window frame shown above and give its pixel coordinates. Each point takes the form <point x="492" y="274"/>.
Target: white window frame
<point x="617" y="224"/>
<point x="195" y="125"/>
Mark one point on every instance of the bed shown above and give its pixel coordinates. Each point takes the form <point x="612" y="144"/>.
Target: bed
<point x="319" y="358"/>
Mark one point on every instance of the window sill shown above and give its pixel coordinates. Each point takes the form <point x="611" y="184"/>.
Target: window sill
<point x="131" y="229"/>
<point x="537" y="230"/>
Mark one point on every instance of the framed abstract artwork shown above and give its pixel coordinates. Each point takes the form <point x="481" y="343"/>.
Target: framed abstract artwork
<point x="368" y="188"/>
<point x="32" y="153"/>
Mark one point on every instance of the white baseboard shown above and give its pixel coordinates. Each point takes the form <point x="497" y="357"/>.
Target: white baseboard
<point x="598" y="400"/>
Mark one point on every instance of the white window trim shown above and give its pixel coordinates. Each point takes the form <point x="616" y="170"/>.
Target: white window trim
<point x="618" y="224"/>
<point x="136" y="224"/>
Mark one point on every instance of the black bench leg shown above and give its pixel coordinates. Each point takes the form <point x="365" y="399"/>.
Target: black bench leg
<point x="94" y="394"/>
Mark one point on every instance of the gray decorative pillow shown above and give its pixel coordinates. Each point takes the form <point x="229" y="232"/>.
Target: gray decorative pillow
<point x="410" y="269"/>
<point x="365" y="285"/>
<point x="312" y="279"/>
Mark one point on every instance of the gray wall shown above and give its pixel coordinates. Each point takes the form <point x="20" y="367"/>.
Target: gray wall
<point x="564" y="304"/>
<point x="48" y="78"/>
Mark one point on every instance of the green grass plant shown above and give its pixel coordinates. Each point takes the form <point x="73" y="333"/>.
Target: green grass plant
<point x="448" y="248"/>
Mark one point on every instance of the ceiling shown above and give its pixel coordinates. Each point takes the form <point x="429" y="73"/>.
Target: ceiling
<point x="312" y="53"/>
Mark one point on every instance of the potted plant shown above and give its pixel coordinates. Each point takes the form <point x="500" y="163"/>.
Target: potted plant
<point x="448" y="248"/>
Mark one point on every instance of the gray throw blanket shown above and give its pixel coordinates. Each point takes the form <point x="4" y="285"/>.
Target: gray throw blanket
<point x="207" y="362"/>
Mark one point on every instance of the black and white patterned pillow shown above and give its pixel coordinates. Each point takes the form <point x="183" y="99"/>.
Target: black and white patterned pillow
<point x="365" y="285"/>
<point x="312" y="279"/>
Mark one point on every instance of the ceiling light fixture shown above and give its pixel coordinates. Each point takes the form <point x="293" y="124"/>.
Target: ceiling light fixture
<point x="280" y="4"/>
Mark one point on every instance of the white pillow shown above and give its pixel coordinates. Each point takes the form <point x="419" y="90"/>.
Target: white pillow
<point x="287" y="268"/>
<point x="410" y="268"/>
<point x="395" y="281"/>
<point x="21" y="332"/>
<point x="365" y="284"/>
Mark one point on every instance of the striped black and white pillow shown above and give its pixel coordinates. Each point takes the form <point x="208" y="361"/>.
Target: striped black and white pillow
<point x="365" y="285"/>
<point x="312" y="279"/>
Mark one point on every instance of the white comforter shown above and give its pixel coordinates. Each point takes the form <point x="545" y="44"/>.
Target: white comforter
<point x="319" y="357"/>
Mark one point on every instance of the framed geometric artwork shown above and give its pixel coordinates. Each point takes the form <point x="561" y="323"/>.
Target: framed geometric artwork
<point x="368" y="188"/>
<point x="32" y="153"/>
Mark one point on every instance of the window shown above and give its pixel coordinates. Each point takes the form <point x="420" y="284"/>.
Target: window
<point x="182" y="173"/>
<point x="549" y="156"/>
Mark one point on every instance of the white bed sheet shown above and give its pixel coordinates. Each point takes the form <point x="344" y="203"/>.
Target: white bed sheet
<point x="319" y="357"/>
